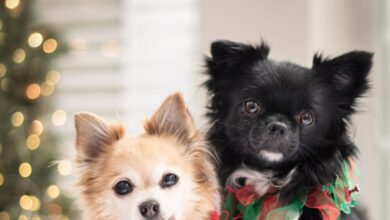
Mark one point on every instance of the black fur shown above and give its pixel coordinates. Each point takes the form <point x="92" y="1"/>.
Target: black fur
<point x="241" y="72"/>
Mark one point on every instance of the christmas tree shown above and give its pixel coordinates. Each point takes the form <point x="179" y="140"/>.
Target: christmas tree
<point x="27" y="146"/>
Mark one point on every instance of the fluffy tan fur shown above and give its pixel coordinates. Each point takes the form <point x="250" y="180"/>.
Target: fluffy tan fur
<point x="104" y="153"/>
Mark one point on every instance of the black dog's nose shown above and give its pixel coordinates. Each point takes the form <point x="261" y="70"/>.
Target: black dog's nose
<point x="277" y="128"/>
<point x="149" y="209"/>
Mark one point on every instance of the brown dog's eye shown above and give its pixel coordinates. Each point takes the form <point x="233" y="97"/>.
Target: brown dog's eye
<point x="123" y="187"/>
<point x="169" y="180"/>
<point x="251" y="107"/>
<point x="306" y="118"/>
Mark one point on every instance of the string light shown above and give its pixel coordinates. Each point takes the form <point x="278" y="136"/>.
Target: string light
<point x="3" y="70"/>
<point x="35" y="39"/>
<point x="26" y="202"/>
<point x="33" y="91"/>
<point x="17" y="119"/>
<point x="33" y="142"/>
<point x="25" y="170"/>
<point x="59" y="117"/>
<point x="52" y="77"/>
<point x="19" y="56"/>
<point x="53" y="191"/>
<point x="1" y="180"/>
<point x="12" y="4"/>
<point x="50" y="45"/>
<point x="4" y="216"/>
<point x="64" y="167"/>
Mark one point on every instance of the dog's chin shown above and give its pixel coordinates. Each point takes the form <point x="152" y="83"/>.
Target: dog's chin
<point x="273" y="156"/>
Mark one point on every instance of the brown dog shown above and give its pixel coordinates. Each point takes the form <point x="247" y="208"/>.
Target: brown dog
<point x="164" y="174"/>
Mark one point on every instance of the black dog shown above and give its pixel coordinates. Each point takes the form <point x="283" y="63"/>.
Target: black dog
<point x="282" y="118"/>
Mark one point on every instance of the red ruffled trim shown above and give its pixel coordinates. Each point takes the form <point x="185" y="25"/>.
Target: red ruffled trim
<point x="214" y="215"/>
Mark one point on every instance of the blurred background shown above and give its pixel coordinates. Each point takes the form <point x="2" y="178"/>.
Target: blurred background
<point x="120" y="58"/>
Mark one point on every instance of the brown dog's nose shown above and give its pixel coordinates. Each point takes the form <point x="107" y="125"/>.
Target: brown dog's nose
<point x="149" y="209"/>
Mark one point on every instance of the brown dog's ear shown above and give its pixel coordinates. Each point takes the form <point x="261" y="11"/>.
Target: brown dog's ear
<point x="94" y="135"/>
<point x="172" y="118"/>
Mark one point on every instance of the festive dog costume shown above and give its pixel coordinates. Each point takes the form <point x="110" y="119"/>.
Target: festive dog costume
<point x="330" y="200"/>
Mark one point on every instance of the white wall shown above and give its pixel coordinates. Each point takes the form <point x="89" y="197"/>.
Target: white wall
<point x="160" y="56"/>
<point x="283" y="24"/>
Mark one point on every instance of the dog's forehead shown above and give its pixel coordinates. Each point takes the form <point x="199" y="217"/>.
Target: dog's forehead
<point x="274" y="83"/>
<point x="147" y="157"/>
<point x="277" y="72"/>
<point x="149" y="148"/>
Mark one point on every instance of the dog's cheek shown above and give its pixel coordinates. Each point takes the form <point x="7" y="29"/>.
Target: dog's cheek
<point x="179" y="200"/>
<point x="116" y="207"/>
<point x="236" y="129"/>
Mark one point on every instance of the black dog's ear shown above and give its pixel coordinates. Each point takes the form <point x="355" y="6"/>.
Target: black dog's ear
<point x="229" y="52"/>
<point x="229" y="57"/>
<point x="347" y="74"/>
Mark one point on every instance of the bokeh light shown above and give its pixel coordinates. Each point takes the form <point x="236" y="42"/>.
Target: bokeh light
<point x="55" y="211"/>
<point x="36" y="203"/>
<point x="36" y="127"/>
<point x="52" y="77"/>
<point x="35" y="39"/>
<point x="53" y="191"/>
<point x="59" y="117"/>
<point x="4" y="216"/>
<point x="19" y="55"/>
<point x="22" y="217"/>
<point x="4" y="84"/>
<point x="110" y="48"/>
<point x="50" y="45"/>
<point x="1" y="180"/>
<point x="33" y="91"/>
<point x="3" y="70"/>
<point x="25" y="170"/>
<point x="26" y="202"/>
<point x="64" y="167"/>
<point x="33" y="142"/>
<point x="12" y="4"/>
<point x="47" y="89"/>
<point x="17" y="119"/>
<point x="36" y="217"/>
<point x="78" y="45"/>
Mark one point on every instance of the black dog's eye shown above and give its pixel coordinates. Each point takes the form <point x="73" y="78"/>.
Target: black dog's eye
<point x="251" y="107"/>
<point x="169" y="180"/>
<point x="123" y="187"/>
<point x="306" y="118"/>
